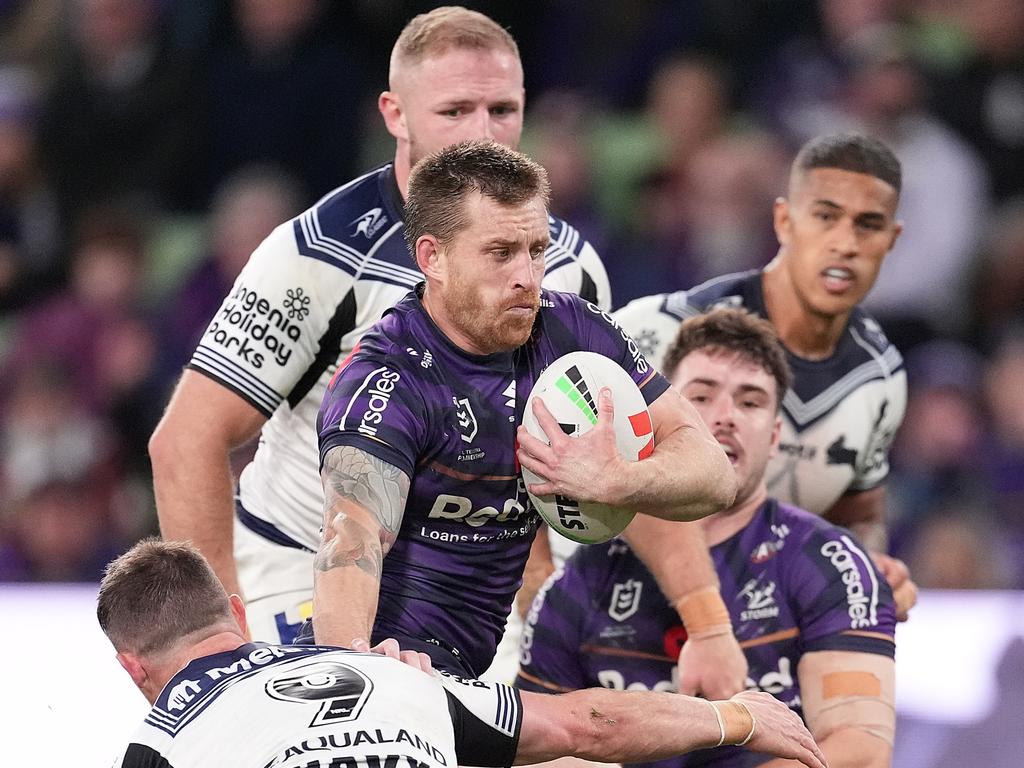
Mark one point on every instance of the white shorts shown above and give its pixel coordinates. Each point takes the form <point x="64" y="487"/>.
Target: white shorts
<point x="277" y="583"/>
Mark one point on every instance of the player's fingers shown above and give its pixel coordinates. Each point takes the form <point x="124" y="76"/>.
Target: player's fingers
<point x="425" y="663"/>
<point x="415" y="659"/>
<point x="359" y="644"/>
<point x="388" y="647"/>
<point x="548" y="422"/>
<point x="905" y="598"/>
<point x="533" y="446"/>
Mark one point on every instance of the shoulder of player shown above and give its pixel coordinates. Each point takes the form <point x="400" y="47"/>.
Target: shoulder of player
<point x="868" y="334"/>
<point x="735" y="290"/>
<point x="357" y="229"/>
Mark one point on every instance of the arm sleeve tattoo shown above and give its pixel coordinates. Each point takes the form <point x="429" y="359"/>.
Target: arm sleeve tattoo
<point x="354" y="477"/>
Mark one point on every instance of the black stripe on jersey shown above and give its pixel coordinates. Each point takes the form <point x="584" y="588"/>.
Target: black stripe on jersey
<point x="849" y="641"/>
<point x="141" y="756"/>
<point x="231" y="372"/>
<point x="480" y="743"/>
<point x="341" y="323"/>
<point x="588" y="288"/>
<point x="237" y="390"/>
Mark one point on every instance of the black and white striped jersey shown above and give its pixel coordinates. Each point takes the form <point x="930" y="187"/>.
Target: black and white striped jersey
<point x="285" y="706"/>
<point x="840" y="416"/>
<point x="307" y="295"/>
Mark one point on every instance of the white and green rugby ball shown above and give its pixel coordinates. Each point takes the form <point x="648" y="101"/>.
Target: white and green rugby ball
<point x="569" y="388"/>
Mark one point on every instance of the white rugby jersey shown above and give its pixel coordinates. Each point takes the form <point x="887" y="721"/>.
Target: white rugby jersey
<point x="284" y="706"/>
<point x="839" y="417"/>
<point x="306" y="296"/>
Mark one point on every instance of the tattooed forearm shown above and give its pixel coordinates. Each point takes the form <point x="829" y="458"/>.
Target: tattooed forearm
<point x="362" y="483"/>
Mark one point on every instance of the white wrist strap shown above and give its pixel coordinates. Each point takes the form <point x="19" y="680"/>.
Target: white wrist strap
<point x="721" y="723"/>
<point x="753" y="725"/>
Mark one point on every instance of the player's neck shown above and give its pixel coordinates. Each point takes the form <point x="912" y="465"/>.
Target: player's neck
<point x="807" y="334"/>
<point x="433" y="305"/>
<point x="402" y="170"/>
<point x="727" y="523"/>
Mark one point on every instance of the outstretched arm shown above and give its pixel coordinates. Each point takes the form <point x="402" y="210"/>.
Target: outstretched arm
<point x="364" y="502"/>
<point x="190" y="450"/>
<point x="635" y="726"/>
<point x="687" y="477"/>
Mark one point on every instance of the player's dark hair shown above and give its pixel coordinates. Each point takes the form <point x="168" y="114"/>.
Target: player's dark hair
<point x="158" y="592"/>
<point x="733" y="330"/>
<point x="851" y="152"/>
<point x="440" y="182"/>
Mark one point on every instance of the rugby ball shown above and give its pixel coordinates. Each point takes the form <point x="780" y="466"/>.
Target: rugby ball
<point x="569" y="388"/>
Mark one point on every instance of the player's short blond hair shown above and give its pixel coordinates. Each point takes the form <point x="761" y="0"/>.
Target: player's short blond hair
<point x="442" y="29"/>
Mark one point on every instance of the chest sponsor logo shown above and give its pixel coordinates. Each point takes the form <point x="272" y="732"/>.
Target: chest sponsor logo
<point x="369" y="223"/>
<point x="465" y="418"/>
<point x="861" y="601"/>
<point x="380" y="385"/>
<point x="775" y="681"/>
<point x="625" y="599"/>
<point x="255" y="330"/>
<point x="648" y="341"/>
<point x="760" y="601"/>
<point x="450" y="507"/>
<point x="616" y="681"/>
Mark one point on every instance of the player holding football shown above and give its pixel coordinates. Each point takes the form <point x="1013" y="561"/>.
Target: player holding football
<point x="427" y="525"/>
<point x="308" y="293"/>
<point x="815" y="618"/>
<point x="835" y="227"/>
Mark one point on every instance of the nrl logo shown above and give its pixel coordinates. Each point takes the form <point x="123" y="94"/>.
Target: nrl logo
<point x="466" y="418"/>
<point x="625" y="599"/>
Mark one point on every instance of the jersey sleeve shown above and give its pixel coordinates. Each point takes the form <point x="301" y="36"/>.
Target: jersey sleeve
<point x="267" y="332"/>
<point x="549" y="649"/>
<point x="842" y="601"/>
<point x="371" y="405"/>
<point x="874" y="467"/>
<point x="599" y="333"/>
<point x="652" y="328"/>
<point x="487" y="718"/>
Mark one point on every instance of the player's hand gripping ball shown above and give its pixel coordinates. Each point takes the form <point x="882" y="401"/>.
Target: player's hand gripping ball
<point x="569" y="388"/>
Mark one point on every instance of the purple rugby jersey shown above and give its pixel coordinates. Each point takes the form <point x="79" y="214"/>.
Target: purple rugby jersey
<point x="448" y="419"/>
<point x="793" y="583"/>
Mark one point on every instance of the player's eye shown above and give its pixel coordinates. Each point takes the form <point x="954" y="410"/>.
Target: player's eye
<point x="503" y="110"/>
<point x="453" y="112"/>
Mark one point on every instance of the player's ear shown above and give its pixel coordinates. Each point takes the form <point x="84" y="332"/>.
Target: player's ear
<point x="781" y="220"/>
<point x="131" y="664"/>
<point x="238" y="611"/>
<point x="776" y="435"/>
<point x="390" y="106"/>
<point x="429" y="255"/>
<point x="896" y="230"/>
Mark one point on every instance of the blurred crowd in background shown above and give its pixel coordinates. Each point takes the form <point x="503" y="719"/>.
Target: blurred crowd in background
<point x="147" y="146"/>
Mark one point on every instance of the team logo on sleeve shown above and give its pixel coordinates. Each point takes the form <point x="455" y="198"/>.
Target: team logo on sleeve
<point x="342" y="689"/>
<point x="625" y="599"/>
<point x="369" y="223"/>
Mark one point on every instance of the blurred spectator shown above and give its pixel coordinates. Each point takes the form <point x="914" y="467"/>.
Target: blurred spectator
<point x="960" y="548"/>
<point x="998" y="298"/>
<point x="246" y="208"/>
<point x="1004" y="396"/>
<point x="28" y="212"/>
<point x="28" y="34"/>
<point x="76" y="328"/>
<point x="938" y="453"/>
<point x="687" y="106"/>
<point x="983" y="99"/>
<point x="120" y="123"/>
<point x="944" y="201"/>
<point x="282" y="92"/>
<point x="800" y="83"/>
